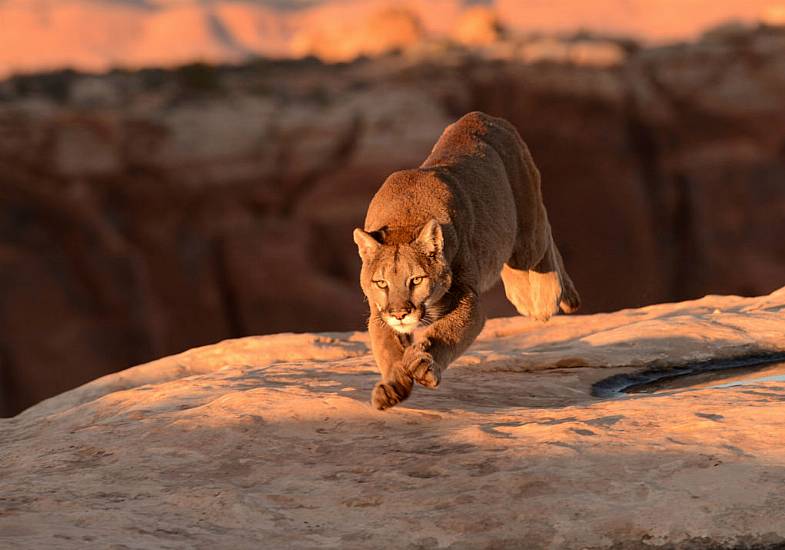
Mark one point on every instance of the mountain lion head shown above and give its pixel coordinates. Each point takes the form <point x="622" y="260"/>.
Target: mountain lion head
<point x="404" y="280"/>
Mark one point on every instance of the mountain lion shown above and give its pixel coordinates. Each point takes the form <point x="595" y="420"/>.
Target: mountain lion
<point x="437" y="236"/>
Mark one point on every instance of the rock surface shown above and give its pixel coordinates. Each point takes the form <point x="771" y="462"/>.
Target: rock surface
<point x="40" y="34"/>
<point x="270" y="441"/>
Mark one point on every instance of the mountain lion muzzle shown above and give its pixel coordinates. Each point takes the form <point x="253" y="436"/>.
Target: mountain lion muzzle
<point x="437" y="236"/>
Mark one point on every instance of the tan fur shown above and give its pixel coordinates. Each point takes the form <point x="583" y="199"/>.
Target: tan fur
<point x="437" y="236"/>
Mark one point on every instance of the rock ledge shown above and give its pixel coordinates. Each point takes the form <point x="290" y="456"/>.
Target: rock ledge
<point x="270" y="441"/>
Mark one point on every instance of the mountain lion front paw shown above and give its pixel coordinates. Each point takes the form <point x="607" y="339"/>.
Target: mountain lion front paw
<point x="421" y="366"/>
<point x="388" y="394"/>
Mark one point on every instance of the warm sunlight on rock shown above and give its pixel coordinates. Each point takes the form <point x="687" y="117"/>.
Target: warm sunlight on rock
<point x="176" y="173"/>
<point x="775" y="15"/>
<point x="271" y="439"/>
<point x="345" y="39"/>
<point x="96" y="35"/>
<point x="478" y="26"/>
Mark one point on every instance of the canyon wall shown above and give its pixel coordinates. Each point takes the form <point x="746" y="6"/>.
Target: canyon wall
<point x="148" y="212"/>
<point x="98" y="35"/>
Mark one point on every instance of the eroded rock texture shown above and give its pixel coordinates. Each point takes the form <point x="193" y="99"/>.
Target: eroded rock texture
<point x="146" y="213"/>
<point x="270" y="441"/>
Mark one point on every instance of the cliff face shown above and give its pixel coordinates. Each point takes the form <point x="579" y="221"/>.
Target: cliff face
<point x="148" y="212"/>
<point x="270" y="441"/>
<point x="44" y="34"/>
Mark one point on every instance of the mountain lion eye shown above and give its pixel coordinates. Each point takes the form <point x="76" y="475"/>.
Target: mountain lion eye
<point x="381" y="284"/>
<point x="417" y="280"/>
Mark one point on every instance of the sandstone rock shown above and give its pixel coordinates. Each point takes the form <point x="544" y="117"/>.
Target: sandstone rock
<point x="774" y="15"/>
<point x="653" y="22"/>
<point x="600" y="53"/>
<point x="39" y="33"/>
<point x="711" y="146"/>
<point x="343" y="40"/>
<point x="270" y="440"/>
<point x="76" y="136"/>
<point x="151" y="210"/>
<point x="478" y="26"/>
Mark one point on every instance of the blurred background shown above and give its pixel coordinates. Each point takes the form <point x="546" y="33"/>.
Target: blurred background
<point x="177" y="172"/>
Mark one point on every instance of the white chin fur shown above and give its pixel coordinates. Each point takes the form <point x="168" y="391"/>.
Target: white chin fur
<point x="403" y="328"/>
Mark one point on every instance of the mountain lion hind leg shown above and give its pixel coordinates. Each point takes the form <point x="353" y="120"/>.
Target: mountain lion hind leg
<point x="540" y="291"/>
<point x="534" y="277"/>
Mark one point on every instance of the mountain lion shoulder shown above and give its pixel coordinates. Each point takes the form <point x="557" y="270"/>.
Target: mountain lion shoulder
<point x="437" y="236"/>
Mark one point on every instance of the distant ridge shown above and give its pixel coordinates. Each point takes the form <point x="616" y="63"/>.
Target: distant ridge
<point x="96" y="35"/>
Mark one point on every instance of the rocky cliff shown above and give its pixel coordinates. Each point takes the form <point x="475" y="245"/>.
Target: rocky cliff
<point x="270" y="441"/>
<point x="147" y="212"/>
<point x="98" y="35"/>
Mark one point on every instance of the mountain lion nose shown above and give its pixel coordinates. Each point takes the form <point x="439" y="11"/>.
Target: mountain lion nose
<point x="401" y="313"/>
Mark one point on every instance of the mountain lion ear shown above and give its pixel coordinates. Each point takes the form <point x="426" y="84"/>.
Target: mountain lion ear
<point x="366" y="244"/>
<point x="431" y="238"/>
